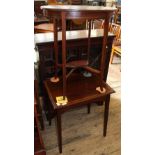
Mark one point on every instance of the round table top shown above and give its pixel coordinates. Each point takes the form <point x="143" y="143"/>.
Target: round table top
<point x="78" y="8"/>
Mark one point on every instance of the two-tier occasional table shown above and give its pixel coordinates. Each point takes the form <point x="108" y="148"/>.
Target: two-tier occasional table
<point x="75" y="89"/>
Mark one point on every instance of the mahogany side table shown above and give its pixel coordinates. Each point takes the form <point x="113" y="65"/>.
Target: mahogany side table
<point x="80" y="91"/>
<point x="77" y="89"/>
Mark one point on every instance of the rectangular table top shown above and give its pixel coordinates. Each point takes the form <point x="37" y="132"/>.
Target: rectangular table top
<point x="70" y="35"/>
<point x="80" y="90"/>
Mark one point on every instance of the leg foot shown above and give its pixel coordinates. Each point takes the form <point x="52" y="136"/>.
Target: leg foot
<point x="106" y="113"/>
<point x="88" y="108"/>
<point x="59" y="132"/>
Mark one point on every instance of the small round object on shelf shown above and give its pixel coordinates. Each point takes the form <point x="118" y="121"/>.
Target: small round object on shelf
<point x="101" y="91"/>
<point x="54" y="79"/>
<point x="87" y="74"/>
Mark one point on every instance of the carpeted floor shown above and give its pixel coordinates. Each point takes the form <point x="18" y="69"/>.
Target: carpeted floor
<point x="82" y="132"/>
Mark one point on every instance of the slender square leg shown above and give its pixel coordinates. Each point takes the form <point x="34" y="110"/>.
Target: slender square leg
<point x="41" y="123"/>
<point x="59" y="131"/>
<point x="106" y="113"/>
<point x="56" y="46"/>
<point x="88" y="108"/>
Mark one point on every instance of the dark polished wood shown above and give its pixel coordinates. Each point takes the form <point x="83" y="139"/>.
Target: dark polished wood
<point x="37" y="9"/>
<point x="76" y="41"/>
<point x="63" y="19"/>
<point x="75" y="2"/>
<point x="106" y="113"/>
<point x="39" y="16"/>
<point x="81" y="91"/>
<point x="88" y="108"/>
<point x="56" y="45"/>
<point x="40" y="20"/>
<point x="59" y="130"/>
<point x="79" y="88"/>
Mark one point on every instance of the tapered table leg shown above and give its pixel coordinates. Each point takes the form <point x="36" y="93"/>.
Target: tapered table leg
<point x="88" y="108"/>
<point x="41" y="122"/>
<point x="56" y="46"/>
<point x="63" y="17"/>
<point x="106" y="113"/>
<point x="59" y="131"/>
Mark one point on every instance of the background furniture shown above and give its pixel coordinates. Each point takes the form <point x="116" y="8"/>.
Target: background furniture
<point x="43" y="28"/>
<point x="75" y="2"/>
<point x="116" y="48"/>
<point x="38" y="105"/>
<point x="117" y="15"/>
<point x="43" y="25"/>
<point x="89" y="2"/>
<point x="39" y="17"/>
<point x="77" y="24"/>
<point x="38" y="142"/>
<point x="37" y="10"/>
<point x="40" y="20"/>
